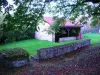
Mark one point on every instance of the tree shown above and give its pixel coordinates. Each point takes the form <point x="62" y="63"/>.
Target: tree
<point x="55" y="27"/>
<point x="22" y="23"/>
<point x="3" y="3"/>
<point x="28" y="12"/>
<point x="73" y="8"/>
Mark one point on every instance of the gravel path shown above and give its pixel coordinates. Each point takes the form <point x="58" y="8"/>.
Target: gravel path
<point x="84" y="61"/>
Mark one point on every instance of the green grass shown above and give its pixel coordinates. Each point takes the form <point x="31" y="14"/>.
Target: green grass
<point x="95" y="38"/>
<point x="33" y="45"/>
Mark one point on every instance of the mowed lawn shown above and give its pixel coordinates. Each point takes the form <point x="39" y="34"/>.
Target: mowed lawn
<point x="95" y="38"/>
<point x="33" y="45"/>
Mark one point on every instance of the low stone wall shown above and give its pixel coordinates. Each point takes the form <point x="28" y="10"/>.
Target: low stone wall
<point x="50" y="52"/>
<point x="16" y="63"/>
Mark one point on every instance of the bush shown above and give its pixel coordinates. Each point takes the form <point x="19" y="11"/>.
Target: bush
<point x="13" y="36"/>
<point x="14" y="54"/>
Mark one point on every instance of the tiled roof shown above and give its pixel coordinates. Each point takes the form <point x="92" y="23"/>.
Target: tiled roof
<point x="50" y="21"/>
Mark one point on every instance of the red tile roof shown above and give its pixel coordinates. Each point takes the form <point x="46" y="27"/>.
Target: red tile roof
<point x="50" y="21"/>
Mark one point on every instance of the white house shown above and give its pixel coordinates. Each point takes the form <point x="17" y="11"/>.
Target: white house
<point x="43" y="26"/>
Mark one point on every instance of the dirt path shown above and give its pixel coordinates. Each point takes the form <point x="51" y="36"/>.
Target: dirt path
<point x="84" y="61"/>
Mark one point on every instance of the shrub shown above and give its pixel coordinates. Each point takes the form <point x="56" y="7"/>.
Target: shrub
<point x="14" y="54"/>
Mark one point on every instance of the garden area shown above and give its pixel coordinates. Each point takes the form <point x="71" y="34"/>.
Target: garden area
<point x="82" y="61"/>
<point x="33" y="45"/>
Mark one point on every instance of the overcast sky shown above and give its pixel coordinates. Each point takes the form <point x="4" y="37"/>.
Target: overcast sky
<point x="10" y="1"/>
<point x="46" y="14"/>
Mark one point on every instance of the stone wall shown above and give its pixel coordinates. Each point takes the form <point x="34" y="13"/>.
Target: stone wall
<point x="50" y="52"/>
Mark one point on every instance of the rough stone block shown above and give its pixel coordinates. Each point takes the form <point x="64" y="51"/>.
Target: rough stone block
<point x="50" y="52"/>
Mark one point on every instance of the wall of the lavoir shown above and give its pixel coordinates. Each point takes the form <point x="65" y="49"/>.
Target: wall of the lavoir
<point x="44" y="36"/>
<point x="51" y="37"/>
<point x="50" y="52"/>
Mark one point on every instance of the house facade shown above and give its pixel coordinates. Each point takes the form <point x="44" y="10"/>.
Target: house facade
<point x="43" y="27"/>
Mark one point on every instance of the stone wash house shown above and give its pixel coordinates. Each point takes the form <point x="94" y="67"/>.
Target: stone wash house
<point x="44" y="25"/>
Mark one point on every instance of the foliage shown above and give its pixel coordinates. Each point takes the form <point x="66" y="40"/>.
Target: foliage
<point x="95" y="20"/>
<point x="74" y="8"/>
<point x="15" y="53"/>
<point x="22" y="23"/>
<point x="3" y="3"/>
<point x="54" y="28"/>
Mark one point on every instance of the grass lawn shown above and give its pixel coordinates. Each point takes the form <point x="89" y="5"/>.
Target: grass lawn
<point x="95" y="38"/>
<point x="33" y="45"/>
